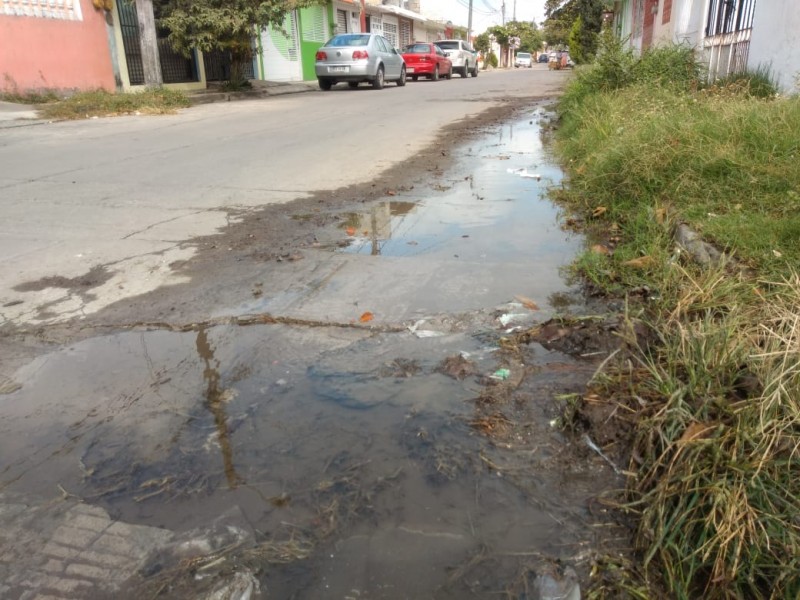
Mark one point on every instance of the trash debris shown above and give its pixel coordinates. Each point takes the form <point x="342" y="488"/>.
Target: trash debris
<point x="524" y="174"/>
<point x="423" y="333"/>
<point x="639" y="263"/>
<point x="552" y="586"/>
<point x="366" y="317"/>
<point x="351" y="231"/>
<point x="527" y="302"/>
<point x="599" y="211"/>
<point x="501" y="374"/>
<point x="242" y="586"/>
<point x="600" y="249"/>
<point x="596" y="448"/>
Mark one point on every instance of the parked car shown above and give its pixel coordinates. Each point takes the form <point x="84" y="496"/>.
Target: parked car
<point x="543" y="57"/>
<point x="428" y="60"/>
<point x="523" y="59"/>
<point x="359" y="57"/>
<point x="462" y="55"/>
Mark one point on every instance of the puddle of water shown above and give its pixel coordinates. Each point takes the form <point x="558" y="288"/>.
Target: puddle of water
<point x="350" y="441"/>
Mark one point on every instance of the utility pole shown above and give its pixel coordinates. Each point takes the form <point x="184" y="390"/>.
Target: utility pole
<point x="149" y="44"/>
<point x="515" y="11"/>
<point x="503" y="12"/>
<point x="469" y="24"/>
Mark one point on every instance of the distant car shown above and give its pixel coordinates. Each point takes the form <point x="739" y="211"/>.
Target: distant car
<point x="427" y="60"/>
<point x="359" y="57"/>
<point x="462" y="55"/>
<point x="543" y="58"/>
<point x="523" y="59"/>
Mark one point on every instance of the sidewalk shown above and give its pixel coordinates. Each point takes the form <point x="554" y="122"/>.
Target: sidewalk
<point x="14" y="115"/>
<point x="260" y="89"/>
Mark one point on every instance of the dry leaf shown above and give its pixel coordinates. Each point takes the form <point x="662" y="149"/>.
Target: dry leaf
<point x="661" y="215"/>
<point x="527" y="302"/>
<point x="600" y="249"/>
<point x="777" y="253"/>
<point x="639" y="263"/>
<point x="600" y="210"/>
<point x="391" y="193"/>
<point x="366" y="317"/>
<point x="695" y="431"/>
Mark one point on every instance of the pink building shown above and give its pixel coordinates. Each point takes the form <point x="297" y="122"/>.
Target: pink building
<point x="54" y="45"/>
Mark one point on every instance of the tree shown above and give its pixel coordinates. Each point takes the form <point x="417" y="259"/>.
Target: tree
<point x="560" y="25"/>
<point x="227" y="25"/>
<point x="482" y="43"/>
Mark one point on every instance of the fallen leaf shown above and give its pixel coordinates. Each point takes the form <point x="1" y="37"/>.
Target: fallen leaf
<point x="527" y="302"/>
<point x="777" y="253"/>
<point x="366" y="232"/>
<point x="661" y="215"/>
<point x="639" y="263"/>
<point x="600" y="210"/>
<point x="366" y="317"/>
<point x="350" y="231"/>
<point x="600" y="249"/>
<point x="391" y="193"/>
<point x="695" y="431"/>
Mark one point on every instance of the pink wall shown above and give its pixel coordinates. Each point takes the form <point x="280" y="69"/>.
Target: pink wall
<point x="39" y="53"/>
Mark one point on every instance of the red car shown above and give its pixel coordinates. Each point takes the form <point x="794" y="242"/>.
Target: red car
<point x="427" y="60"/>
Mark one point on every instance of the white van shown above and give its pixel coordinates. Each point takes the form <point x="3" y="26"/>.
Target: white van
<point x="523" y="59"/>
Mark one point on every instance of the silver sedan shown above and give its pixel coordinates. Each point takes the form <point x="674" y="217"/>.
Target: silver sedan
<point x="357" y="57"/>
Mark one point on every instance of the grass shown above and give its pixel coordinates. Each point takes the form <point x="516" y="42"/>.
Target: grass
<point x="716" y="399"/>
<point x="99" y="103"/>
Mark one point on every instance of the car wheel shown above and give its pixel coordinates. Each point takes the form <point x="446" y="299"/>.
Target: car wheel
<point x="475" y="71"/>
<point x="352" y="84"/>
<point x="435" y="76"/>
<point x="402" y="81"/>
<point x="464" y="70"/>
<point x="377" y="83"/>
<point x="325" y="84"/>
<point x="449" y="74"/>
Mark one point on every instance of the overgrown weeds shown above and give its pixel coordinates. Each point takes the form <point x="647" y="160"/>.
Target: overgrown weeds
<point x="716" y="402"/>
<point x="99" y="103"/>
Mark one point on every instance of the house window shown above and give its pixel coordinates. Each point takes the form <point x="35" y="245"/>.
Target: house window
<point x="46" y="9"/>
<point x="390" y="33"/>
<point x="667" y="12"/>
<point x="405" y="34"/>
<point x="341" y="21"/>
<point x="728" y="16"/>
<point x="314" y="24"/>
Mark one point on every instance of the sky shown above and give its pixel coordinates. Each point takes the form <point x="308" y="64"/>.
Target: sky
<point x="485" y="13"/>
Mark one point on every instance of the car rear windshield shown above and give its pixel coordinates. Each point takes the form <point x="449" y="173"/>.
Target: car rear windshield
<point x="417" y="49"/>
<point x="354" y="39"/>
<point x="447" y="45"/>
<point x="523" y="55"/>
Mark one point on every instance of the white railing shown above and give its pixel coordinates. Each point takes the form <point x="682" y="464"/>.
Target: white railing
<point x="46" y="9"/>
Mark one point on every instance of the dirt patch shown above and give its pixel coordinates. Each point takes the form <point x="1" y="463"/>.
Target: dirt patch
<point x="94" y="277"/>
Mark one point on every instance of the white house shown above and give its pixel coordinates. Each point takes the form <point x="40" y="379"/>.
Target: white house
<point x="729" y="35"/>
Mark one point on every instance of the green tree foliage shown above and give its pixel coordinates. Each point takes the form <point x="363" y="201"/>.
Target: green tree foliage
<point x="227" y="25"/>
<point x="560" y="29"/>
<point x="482" y="43"/>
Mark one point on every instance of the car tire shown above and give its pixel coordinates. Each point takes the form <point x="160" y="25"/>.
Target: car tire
<point x="475" y="71"/>
<point x="353" y="84"/>
<point x="464" y="69"/>
<point x="435" y="74"/>
<point x="378" y="82"/>
<point x="449" y="74"/>
<point x="402" y="81"/>
<point x="325" y="83"/>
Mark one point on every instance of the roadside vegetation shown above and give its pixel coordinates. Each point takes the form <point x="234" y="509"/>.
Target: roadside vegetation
<point x="711" y="397"/>
<point x="99" y="103"/>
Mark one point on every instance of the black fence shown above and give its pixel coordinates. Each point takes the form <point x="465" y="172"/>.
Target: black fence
<point x="729" y="16"/>
<point x="218" y="66"/>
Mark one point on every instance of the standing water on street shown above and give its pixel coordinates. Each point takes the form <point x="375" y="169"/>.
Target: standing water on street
<point x="389" y="425"/>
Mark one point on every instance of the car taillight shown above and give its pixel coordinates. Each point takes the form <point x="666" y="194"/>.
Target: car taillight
<point x="360" y="55"/>
<point x="424" y="58"/>
<point x="322" y="56"/>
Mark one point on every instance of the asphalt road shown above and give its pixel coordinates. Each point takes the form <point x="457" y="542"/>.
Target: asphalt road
<point x="124" y="193"/>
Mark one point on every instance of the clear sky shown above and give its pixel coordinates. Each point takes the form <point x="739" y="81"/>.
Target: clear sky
<point x="485" y="13"/>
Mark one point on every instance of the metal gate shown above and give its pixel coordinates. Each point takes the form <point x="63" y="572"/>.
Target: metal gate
<point x="218" y="66"/>
<point x="175" y="68"/>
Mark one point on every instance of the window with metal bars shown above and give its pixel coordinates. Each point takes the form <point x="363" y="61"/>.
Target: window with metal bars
<point x="729" y="16"/>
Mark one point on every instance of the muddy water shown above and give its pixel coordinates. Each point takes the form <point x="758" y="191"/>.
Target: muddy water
<point x="351" y="444"/>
